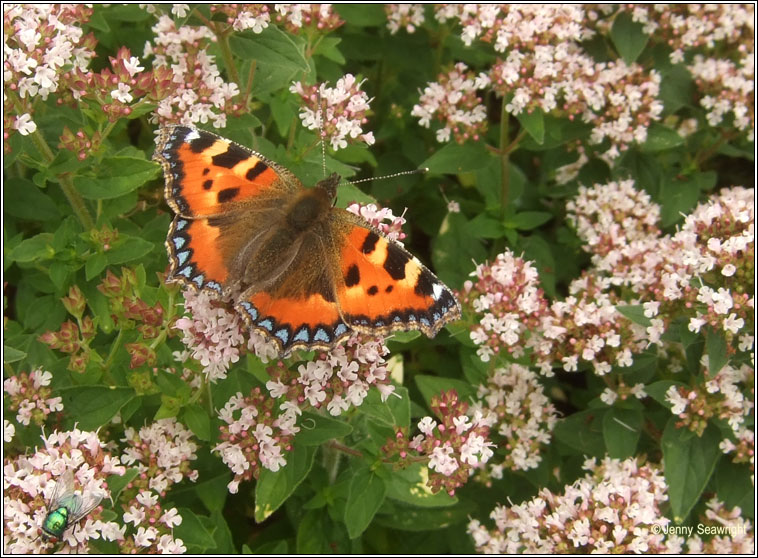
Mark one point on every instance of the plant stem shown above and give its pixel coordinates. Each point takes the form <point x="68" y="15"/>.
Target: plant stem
<point x="66" y="183"/>
<point x="505" y="178"/>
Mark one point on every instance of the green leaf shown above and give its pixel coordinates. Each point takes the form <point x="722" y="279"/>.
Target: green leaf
<point x="678" y="197"/>
<point x="396" y="411"/>
<point x="127" y="249"/>
<point x="364" y="499"/>
<point x="527" y="220"/>
<point x="38" y="247"/>
<point x="21" y="198"/>
<point x="318" y="534"/>
<point x="688" y="463"/>
<point x="715" y="347"/>
<point x="93" y="406"/>
<point x="661" y="138"/>
<point x="272" y="47"/>
<point x="117" y="483"/>
<point x="582" y="432"/>
<point x="483" y="226"/>
<point x="534" y="124"/>
<point x="621" y="431"/>
<point x="409" y="485"/>
<point x="94" y="265"/>
<point x="192" y="531"/>
<point x="213" y="492"/>
<point x="316" y="429"/>
<point x="327" y="47"/>
<point x="407" y="518"/>
<point x="118" y="175"/>
<point x="455" y="159"/>
<point x="628" y="37"/>
<point x="429" y="386"/>
<point x="362" y="15"/>
<point x="274" y="487"/>
<point x="12" y="355"/>
<point x="198" y="421"/>
<point x="635" y="313"/>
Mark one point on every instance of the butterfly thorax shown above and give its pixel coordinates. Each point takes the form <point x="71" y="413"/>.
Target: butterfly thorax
<point x="308" y="208"/>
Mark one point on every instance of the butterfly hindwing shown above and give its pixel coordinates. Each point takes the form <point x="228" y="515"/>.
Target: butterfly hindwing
<point x="384" y="288"/>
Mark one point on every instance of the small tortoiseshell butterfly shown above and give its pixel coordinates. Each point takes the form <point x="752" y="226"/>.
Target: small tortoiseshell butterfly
<point x="299" y="270"/>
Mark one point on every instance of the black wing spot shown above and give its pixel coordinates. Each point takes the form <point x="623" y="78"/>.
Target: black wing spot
<point x="198" y="145"/>
<point x="353" y="276"/>
<point x="395" y="262"/>
<point x="388" y="289"/>
<point x="259" y="168"/>
<point x="208" y="184"/>
<point x="206" y="171"/>
<point x="372" y="290"/>
<point x="227" y="194"/>
<point x="424" y="284"/>
<point x="369" y="244"/>
<point x="233" y="155"/>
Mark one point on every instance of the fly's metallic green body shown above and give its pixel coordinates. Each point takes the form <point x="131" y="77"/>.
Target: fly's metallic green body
<point x="66" y="508"/>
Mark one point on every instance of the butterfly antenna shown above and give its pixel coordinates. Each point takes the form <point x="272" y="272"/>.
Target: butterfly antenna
<point x="394" y="175"/>
<point x="321" y="132"/>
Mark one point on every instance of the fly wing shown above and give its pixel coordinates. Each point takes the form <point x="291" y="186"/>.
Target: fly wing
<point x="82" y="505"/>
<point x="64" y="488"/>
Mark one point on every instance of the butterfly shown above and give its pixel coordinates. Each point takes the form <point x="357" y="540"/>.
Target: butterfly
<point x="300" y="271"/>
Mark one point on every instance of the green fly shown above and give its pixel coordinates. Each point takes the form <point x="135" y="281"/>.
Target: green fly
<point x="66" y="508"/>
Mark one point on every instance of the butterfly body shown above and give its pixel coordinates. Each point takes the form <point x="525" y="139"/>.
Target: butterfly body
<point x="300" y="271"/>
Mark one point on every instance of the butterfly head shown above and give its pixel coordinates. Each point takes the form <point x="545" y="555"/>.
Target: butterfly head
<point x="330" y="184"/>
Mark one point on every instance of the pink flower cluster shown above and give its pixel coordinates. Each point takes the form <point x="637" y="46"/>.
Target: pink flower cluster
<point x="521" y="417"/>
<point x="30" y="480"/>
<point x="404" y="16"/>
<point x="722" y="38"/>
<point x="212" y="334"/>
<point x="453" y="101"/>
<point x="255" y="17"/>
<point x="724" y="394"/>
<point x="29" y="394"/>
<point x="617" y="507"/>
<point x="696" y="272"/>
<point x="728" y="532"/>
<point x="295" y="17"/>
<point x="151" y="530"/>
<point x="199" y="94"/>
<point x="452" y="448"/>
<point x="254" y="436"/>
<point x="336" y="380"/>
<point x="518" y="25"/>
<point x="376" y="217"/>
<point x="41" y="42"/>
<point x="338" y="112"/>
<point x="508" y="303"/>
<point x="162" y="454"/>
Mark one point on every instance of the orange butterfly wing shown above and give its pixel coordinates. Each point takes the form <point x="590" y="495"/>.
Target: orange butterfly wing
<point x="384" y="288"/>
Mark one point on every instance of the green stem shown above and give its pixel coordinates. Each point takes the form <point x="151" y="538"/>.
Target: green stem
<point x="505" y="178"/>
<point x="222" y="37"/>
<point x="66" y="182"/>
<point x="332" y="454"/>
